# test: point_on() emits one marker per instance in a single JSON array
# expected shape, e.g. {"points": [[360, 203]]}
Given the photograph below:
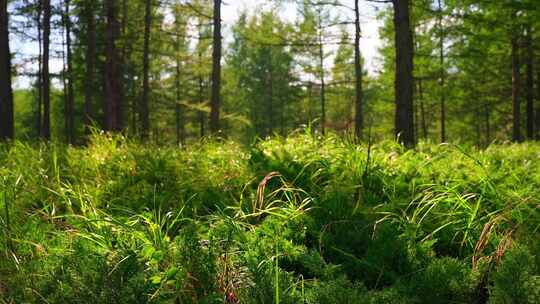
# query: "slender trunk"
{"points": [[113, 75], [40, 67], [529, 84], [404, 82], [69, 120], [359, 115], [216, 69], [46, 80], [488, 126], [201, 93], [538, 101], [180, 137], [321, 75], [442, 76], [90, 64], [145, 115], [270, 98], [422, 110], [516, 134], [7, 129]]}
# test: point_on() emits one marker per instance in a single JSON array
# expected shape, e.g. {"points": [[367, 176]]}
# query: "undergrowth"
{"points": [[288, 220]]}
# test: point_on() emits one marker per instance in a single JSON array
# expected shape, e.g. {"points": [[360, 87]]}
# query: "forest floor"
{"points": [[288, 220]]}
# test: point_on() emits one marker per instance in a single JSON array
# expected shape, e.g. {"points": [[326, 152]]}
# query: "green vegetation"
{"points": [[288, 220]]}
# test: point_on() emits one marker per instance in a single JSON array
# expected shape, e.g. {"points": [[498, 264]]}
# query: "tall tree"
{"points": [[39, 104], [69, 98], [216, 69], [359, 118], [90, 55], [113, 75], [529, 86], [516, 105], [144, 108], [6, 93], [442, 73], [46, 78], [404, 83]]}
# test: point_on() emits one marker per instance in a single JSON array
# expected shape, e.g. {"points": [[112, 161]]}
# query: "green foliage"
{"points": [[118, 222]]}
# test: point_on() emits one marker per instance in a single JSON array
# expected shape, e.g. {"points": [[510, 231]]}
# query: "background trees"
{"points": [[175, 71]]}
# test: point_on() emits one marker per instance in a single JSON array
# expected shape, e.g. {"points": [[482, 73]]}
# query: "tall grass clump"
{"points": [[298, 219]]}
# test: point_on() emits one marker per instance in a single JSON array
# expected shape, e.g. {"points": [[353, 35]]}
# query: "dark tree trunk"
{"points": [[90, 64], [46, 79], [359, 115], [442, 75], [321, 75], [39, 105], [216, 70], [404, 83], [488, 125], [422, 110], [68, 119], [201, 115], [7, 129], [180, 127], [113, 75], [537, 119], [529, 84], [516, 133], [270, 113], [145, 115]]}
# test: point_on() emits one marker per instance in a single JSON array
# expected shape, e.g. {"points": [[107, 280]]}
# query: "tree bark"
{"points": [[90, 64], [488, 124], [321, 75], [537, 119], [516, 134], [216, 70], [422, 110], [7, 129], [404, 83], [359, 115], [113, 75], [180, 125], [145, 115], [530, 84], [46, 79], [39, 100], [442, 76], [69, 119]]}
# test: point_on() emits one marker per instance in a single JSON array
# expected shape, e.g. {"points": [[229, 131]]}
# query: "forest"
{"points": [[270, 151]]}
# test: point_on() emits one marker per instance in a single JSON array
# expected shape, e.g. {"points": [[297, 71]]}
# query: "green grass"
{"points": [[288, 220]]}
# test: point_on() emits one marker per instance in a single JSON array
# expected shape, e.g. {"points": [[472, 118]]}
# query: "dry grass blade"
{"points": [[259, 203]]}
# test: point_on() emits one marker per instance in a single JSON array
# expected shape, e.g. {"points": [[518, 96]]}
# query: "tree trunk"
{"points": [[404, 128], [538, 101], [90, 64], [180, 127], [516, 134], [422, 110], [69, 120], [145, 115], [442, 76], [6, 94], [46, 79], [359, 115], [321, 75], [39, 100], [488, 125], [529, 84], [270, 113], [216, 69], [113, 76]]}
